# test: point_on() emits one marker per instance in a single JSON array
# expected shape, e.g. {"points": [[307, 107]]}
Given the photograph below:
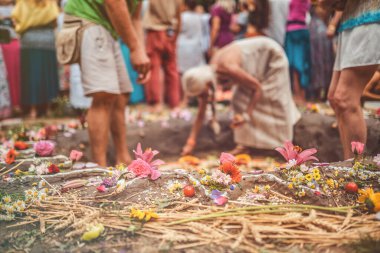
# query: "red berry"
{"points": [[351, 187], [189, 191]]}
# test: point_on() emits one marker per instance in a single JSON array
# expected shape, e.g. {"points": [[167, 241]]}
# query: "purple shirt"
{"points": [[225, 36], [297, 15]]}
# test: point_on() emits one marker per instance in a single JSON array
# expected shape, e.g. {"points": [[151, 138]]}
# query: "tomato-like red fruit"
{"points": [[189, 191], [351, 187]]}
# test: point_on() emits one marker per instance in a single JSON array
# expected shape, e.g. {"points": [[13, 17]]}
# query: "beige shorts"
{"points": [[102, 64]]}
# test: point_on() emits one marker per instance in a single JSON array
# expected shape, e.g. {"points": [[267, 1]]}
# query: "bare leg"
{"points": [[346, 100], [98, 118], [33, 112], [119, 131], [299, 92]]}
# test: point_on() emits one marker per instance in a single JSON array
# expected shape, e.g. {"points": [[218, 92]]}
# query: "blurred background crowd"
{"points": [[31, 80]]}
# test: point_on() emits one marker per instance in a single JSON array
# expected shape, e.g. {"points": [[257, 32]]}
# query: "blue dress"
{"points": [[137, 95]]}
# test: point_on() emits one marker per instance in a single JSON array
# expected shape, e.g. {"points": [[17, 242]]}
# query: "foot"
{"points": [[239, 149]]}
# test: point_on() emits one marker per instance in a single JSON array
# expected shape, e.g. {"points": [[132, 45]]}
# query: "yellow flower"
{"points": [[315, 171], [18, 172], [7, 199], [375, 199], [267, 187], [294, 179], [341, 180], [202, 171], [93, 232], [120, 166], [301, 193], [256, 189], [330, 182], [364, 194], [309, 177], [290, 186], [243, 159], [150, 214], [317, 176]]}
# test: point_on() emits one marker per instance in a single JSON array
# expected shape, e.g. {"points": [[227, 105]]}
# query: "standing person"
{"points": [[357, 59], [297, 47], [162, 21], [240, 26], [189, 43], [5, 99], [322, 54], [11, 54], [104, 75], [221, 16], [35, 21], [265, 113], [279, 10], [77, 98]]}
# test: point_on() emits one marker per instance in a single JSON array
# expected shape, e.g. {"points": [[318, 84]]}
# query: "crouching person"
{"points": [[264, 111]]}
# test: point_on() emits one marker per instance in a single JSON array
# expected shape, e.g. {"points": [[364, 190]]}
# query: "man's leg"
{"points": [[98, 118], [153, 88], [172, 89], [346, 100], [119, 130]]}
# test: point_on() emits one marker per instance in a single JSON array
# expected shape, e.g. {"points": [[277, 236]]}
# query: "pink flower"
{"points": [[291, 152], [140, 168], [101, 188], [357, 147], [75, 155], [221, 201], [226, 157], [147, 156], [44, 148]]}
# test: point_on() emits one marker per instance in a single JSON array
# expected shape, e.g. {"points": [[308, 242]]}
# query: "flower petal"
{"points": [[155, 174], [221, 201]]}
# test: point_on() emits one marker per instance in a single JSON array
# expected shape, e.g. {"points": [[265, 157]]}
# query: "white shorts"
{"points": [[358, 47], [102, 64]]}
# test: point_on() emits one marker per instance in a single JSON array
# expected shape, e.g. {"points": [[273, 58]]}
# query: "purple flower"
{"points": [[215, 194]]}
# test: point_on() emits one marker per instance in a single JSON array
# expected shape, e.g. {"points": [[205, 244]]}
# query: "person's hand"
{"points": [[141, 79], [330, 31], [189, 147], [140, 62]]}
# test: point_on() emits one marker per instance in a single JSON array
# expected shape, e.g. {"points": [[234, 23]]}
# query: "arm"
{"points": [[137, 24], [179, 20], [333, 24], [191, 140], [118, 13], [215, 27]]}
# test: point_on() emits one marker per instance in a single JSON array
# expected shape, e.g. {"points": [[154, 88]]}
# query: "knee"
{"points": [[103, 99], [342, 104]]}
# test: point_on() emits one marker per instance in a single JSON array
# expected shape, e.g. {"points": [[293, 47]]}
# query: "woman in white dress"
{"points": [[189, 44]]}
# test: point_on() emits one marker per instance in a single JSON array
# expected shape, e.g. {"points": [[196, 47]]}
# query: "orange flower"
{"points": [[231, 169], [20, 145], [242, 159], [11, 156], [364, 194], [191, 160]]}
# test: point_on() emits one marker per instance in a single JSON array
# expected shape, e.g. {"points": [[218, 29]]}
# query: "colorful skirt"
{"points": [[39, 67], [11, 54], [137, 96], [297, 48]]}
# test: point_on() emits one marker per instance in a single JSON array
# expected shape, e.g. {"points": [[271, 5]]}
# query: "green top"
{"points": [[94, 11]]}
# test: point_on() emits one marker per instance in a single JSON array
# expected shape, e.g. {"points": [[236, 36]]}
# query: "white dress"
{"points": [[275, 113], [189, 43]]}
